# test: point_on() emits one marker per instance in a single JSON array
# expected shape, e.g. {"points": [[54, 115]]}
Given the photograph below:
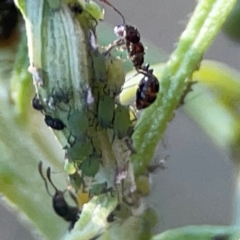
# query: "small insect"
{"points": [[79, 150], [36, 104], [78, 123], [99, 188], [54, 123], [122, 121], [60, 206], [121, 211], [90, 165], [147, 90], [105, 109]]}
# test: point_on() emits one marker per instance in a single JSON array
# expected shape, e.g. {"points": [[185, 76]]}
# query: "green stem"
{"points": [[199, 34]]}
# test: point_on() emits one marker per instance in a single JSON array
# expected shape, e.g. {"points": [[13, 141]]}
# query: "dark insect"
{"points": [[147, 90], [54, 123], [149, 86], [8, 18], [130, 36], [60, 206], [136, 54], [36, 104]]}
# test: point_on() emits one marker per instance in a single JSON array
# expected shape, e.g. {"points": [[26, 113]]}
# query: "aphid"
{"points": [[79, 150], [58, 96], [36, 104], [90, 166], [78, 123], [54, 123], [147, 90], [105, 110], [99, 188], [8, 18], [122, 121], [61, 95], [60, 206], [121, 211]]}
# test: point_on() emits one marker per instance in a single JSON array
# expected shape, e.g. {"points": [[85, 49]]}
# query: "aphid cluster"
{"points": [[99, 114]]}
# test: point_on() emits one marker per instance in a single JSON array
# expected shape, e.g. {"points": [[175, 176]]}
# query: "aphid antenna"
{"points": [[44, 179], [115, 9]]}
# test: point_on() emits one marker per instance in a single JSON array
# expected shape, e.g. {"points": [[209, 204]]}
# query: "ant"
{"points": [[130, 36], [148, 86], [147, 90], [60, 206]]}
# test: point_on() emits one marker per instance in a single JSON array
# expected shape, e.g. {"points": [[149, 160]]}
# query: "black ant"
{"points": [[60, 206]]}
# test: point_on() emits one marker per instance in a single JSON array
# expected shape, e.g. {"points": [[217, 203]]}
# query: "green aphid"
{"points": [[94, 10], [78, 123], [97, 189], [87, 12], [121, 211], [90, 165], [122, 121], [105, 114], [79, 150], [115, 74]]}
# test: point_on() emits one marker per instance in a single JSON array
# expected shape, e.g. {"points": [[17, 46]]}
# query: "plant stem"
{"points": [[194, 41]]}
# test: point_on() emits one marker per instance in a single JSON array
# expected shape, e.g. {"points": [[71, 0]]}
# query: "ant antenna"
{"points": [[115, 9], [44, 179], [50, 180]]}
